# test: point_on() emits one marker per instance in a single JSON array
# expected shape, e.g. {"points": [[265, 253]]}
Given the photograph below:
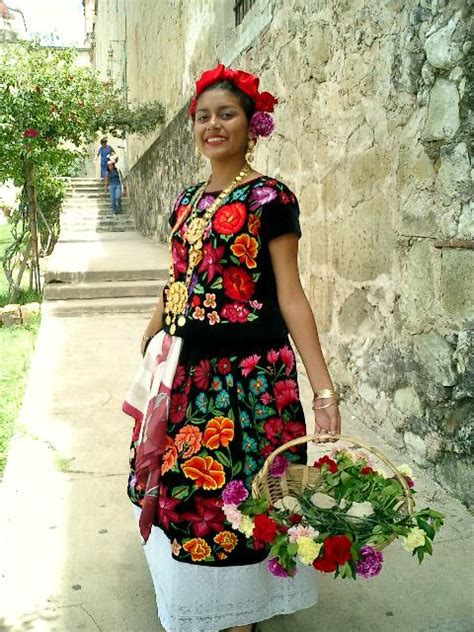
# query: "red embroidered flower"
{"points": [[272, 356], [229, 218], [208, 516], [210, 262], [223, 366], [195, 301], [238, 284], [265, 529], [178, 254], [285, 393], [235, 312], [219, 431], [273, 428], [166, 509], [291, 430], [248, 364], [288, 359], [188, 440], [179, 377], [265, 398], [178, 404], [202, 374], [326, 460]]}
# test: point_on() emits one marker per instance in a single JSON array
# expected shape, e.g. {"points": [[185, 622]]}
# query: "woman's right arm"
{"points": [[154, 325]]}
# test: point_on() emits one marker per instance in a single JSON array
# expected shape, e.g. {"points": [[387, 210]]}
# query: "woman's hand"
{"points": [[327, 420]]}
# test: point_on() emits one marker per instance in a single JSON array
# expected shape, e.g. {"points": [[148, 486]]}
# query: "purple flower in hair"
{"points": [[260, 196], [234, 493], [370, 562], [279, 466], [261, 124], [277, 569]]}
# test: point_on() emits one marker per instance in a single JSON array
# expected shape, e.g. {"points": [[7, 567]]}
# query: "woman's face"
{"points": [[220, 127]]}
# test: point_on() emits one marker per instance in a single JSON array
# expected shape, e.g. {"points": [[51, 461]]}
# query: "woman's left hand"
{"points": [[327, 420]]}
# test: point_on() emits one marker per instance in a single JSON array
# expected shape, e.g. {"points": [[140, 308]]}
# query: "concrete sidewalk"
{"points": [[71, 557]]}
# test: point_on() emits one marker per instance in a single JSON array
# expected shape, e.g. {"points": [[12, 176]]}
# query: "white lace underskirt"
{"points": [[193, 598]]}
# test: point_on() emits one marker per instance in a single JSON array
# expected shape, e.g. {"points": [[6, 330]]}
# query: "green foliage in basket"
{"points": [[340, 523]]}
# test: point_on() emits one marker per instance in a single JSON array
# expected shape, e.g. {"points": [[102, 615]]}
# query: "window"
{"points": [[241, 8]]}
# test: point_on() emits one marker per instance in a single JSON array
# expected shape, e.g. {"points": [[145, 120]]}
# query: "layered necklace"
{"points": [[177, 291]]}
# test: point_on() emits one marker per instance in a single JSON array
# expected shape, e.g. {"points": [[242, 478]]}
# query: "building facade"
{"points": [[372, 134]]}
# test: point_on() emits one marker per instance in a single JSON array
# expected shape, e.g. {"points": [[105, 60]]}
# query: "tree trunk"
{"points": [[33, 223]]}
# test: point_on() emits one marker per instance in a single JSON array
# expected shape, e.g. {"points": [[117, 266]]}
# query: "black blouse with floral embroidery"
{"points": [[233, 295]]}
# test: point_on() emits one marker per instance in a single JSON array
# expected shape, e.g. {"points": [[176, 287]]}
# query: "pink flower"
{"points": [[288, 359], [261, 124], [279, 466], [272, 356], [235, 312], [285, 393], [300, 531], [370, 562], [248, 364], [265, 398], [199, 313], [202, 374], [233, 515], [256, 305], [210, 300], [234, 493], [277, 569]]}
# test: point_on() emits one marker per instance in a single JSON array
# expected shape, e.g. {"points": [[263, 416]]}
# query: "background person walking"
{"points": [[114, 183], [103, 152]]}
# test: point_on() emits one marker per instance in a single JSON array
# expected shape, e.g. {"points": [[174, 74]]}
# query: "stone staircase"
{"points": [[100, 264], [87, 208]]}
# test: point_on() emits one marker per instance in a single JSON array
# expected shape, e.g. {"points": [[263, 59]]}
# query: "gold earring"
{"points": [[251, 143]]}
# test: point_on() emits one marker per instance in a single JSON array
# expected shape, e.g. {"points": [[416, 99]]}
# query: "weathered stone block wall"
{"points": [[372, 135]]}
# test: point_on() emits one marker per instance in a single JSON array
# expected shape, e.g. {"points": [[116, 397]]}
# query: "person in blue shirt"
{"points": [[114, 182], [104, 152]]}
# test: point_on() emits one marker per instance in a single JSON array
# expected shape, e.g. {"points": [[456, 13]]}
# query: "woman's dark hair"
{"points": [[248, 104], [103, 140]]}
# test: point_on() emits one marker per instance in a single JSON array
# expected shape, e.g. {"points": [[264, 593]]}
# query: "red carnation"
{"points": [[366, 470], [265, 528], [325, 460], [336, 550]]}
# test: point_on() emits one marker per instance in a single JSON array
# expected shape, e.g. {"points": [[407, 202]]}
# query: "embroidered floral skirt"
{"points": [[228, 413]]}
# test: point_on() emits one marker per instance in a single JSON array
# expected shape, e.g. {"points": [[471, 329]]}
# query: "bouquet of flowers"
{"points": [[336, 515]]}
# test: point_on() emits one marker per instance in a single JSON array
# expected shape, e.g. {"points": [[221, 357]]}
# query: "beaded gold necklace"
{"points": [[177, 291]]}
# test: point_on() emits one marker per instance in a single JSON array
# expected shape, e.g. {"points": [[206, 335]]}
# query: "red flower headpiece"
{"points": [[264, 101]]}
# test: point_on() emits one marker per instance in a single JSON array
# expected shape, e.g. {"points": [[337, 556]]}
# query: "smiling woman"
{"points": [[233, 297]]}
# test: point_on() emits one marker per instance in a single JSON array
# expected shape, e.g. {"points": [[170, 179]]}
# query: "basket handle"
{"points": [[324, 438]]}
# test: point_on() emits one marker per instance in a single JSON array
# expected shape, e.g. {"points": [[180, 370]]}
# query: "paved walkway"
{"points": [[70, 556]]}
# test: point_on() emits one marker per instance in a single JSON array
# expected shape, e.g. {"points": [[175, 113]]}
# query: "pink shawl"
{"points": [[148, 402]]}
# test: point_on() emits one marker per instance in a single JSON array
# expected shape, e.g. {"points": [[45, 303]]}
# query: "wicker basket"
{"points": [[297, 476]]}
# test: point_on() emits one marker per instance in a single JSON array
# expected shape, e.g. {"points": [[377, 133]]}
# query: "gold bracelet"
{"points": [[325, 406], [325, 393]]}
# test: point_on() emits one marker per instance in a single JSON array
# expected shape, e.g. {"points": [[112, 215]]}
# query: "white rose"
{"points": [[405, 470], [323, 501], [288, 502], [360, 510]]}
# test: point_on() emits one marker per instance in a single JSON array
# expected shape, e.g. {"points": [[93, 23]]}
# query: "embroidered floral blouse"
{"points": [[233, 290]]}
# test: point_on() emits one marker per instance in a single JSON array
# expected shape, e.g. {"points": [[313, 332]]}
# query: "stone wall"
{"points": [[372, 135]]}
